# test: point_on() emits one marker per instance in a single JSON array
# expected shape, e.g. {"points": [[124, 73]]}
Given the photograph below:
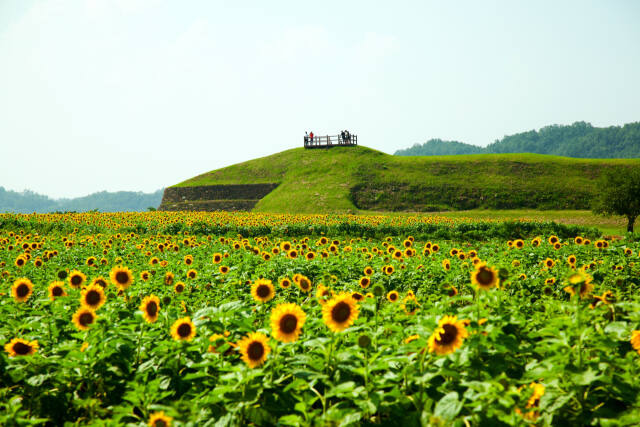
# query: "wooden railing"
{"points": [[325, 141]]}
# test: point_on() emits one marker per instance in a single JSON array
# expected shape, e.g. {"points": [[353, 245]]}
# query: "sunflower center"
{"points": [[304, 284], [159, 423], [341, 312], [184, 330], [255, 351], [449, 335], [288, 323], [179, 288], [393, 297], [92, 297], [22, 290], [263, 291], [21, 348], [484, 277], [122, 277], [101, 282], [152, 308], [56, 291], [85, 319], [76, 280]]}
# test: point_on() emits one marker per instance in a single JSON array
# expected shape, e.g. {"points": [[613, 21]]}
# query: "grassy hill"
{"points": [[349, 179]]}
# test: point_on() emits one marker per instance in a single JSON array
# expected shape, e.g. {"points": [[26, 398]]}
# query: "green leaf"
{"points": [[448, 407], [619, 330]]}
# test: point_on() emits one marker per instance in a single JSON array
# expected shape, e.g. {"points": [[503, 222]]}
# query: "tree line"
{"points": [[120, 201], [580, 139]]}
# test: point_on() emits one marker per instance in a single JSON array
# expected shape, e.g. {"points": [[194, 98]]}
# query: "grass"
{"points": [[356, 179]]}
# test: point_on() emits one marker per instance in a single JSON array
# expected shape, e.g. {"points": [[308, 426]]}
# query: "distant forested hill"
{"points": [[104, 201], [577, 140], [438, 147]]}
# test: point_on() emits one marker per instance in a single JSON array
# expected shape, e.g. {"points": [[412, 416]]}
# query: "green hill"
{"points": [[348, 179], [577, 140], [103, 201]]}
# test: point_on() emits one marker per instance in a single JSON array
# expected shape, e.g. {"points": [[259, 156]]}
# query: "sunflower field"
{"points": [[254, 319]]}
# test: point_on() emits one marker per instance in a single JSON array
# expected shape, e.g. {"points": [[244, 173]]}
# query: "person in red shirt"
{"points": [[311, 137]]}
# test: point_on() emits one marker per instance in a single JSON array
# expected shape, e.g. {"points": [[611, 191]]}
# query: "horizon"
{"points": [[136, 95]]}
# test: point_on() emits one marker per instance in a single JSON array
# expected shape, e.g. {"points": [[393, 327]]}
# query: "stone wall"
{"points": [[236, 197]]}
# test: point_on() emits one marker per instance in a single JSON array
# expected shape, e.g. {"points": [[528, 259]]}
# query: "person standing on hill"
{"points": [[306, 139], [311, 137]]}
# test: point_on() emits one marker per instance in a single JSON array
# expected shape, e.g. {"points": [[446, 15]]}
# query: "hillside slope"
{"points": [[577, 140], [348, 179]]}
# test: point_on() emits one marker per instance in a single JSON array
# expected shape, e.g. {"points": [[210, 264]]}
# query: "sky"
{"points": [[141, 94]]}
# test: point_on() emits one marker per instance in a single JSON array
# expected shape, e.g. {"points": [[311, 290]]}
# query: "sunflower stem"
{"points": [[478, 324], [579, 346], [273, 362], [139, 344]]}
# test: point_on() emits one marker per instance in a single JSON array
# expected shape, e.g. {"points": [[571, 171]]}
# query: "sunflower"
{"points": [[519, 243], [254, 349], [580, 283], [388, 270], [635, 341], [553, 240], [571, 260], [223, 269], [22, 289], [121, 277], [20, 261], [453, 291], [145, 275], [340, 312], [93, 297], [285, 282], [150, 308], [183, 329], [578, 240], [159, 419], [77, 279], [83, 318], [188, 259], [20, 347], [304, 283], [484, 277], [178, 287], [368, 271], [448, 336], [532, 402], [446, 264], [549, 263], [364, 282], [323, 293], [56, 289], [168, 278], [262, 290], [393, 296], [287, 321], [285, 246], [410, 304], [100, 281], [310, 255]]}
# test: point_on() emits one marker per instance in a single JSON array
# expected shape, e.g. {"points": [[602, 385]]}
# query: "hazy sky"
{"points": [[140, 94]]}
